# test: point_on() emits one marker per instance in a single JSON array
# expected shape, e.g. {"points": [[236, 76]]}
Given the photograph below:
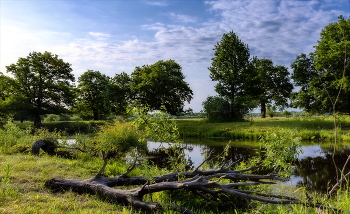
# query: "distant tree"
{"points": [[119, 93], [271, 110], [286, 113], [92, 96], [324, 75], [307, 78], [41, 84], [161, 84], [217, 109], [273, 84], [232, 69]]}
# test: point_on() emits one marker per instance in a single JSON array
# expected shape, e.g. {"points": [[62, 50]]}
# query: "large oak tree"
{"points": [[273, 84], [161, 84], [41, 84]]}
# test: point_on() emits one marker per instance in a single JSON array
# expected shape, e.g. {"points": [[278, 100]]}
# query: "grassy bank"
{"points": [[22, 178], [309, 128]]}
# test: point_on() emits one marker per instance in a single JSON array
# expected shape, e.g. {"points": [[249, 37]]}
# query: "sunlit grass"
{"points": [[309, 128]]}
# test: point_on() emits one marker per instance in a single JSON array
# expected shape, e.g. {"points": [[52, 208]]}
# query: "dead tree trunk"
{"points": [[206, 183]]}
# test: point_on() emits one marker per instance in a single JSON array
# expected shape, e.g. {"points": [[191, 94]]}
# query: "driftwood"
{"points": [[205, 184]]}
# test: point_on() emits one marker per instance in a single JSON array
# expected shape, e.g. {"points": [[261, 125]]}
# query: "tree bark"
{"points": [[37, 121], [203, 182], [263, 110]]}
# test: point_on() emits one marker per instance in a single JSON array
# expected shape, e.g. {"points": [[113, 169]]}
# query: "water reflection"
{"points": [[314, 169]]}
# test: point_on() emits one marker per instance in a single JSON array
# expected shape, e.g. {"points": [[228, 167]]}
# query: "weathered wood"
{"points": [[201, 182], [47, 146]]}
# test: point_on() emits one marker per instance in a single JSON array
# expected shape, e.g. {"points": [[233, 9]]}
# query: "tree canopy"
{"points": [[41, 84], [92, 98], [232, 69], [161, 84], [324, 74], [273, 84], [119, 93]]}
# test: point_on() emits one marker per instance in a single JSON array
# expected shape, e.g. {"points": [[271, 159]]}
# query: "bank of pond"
{"points": [[316, 128], [314, 169]]}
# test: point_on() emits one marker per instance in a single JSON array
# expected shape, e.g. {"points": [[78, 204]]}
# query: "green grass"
{"points": [[309, 128], [22, 176]]}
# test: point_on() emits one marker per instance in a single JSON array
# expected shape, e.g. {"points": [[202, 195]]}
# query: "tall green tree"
{"points": [[119, 93], [161, 84], [328, 66], [41, 84], [232, 69], [273, 84], [92, 96]]}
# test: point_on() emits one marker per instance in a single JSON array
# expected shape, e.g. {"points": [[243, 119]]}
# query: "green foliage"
{"points": [[52, 117], [280, 150], [217, 109], [41, 84], [273, 84], [324, 74], [119, 93], [117, 139], [92, 94], [14, 139], [161, 84], [286, 113], [271, 110], [232, 69], [45, 134], [158, 125]]}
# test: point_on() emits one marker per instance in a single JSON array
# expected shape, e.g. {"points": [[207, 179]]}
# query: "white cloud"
{"points": [[182, 18], [157, 3], [100, 36], [157, 26], [278, 30]]}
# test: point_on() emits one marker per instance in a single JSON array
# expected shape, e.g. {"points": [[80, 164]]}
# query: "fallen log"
{"points": [[49, 147], [206, 184]]}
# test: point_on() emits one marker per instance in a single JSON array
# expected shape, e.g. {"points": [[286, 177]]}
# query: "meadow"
{"points": [[22, 175], [320, 128]]}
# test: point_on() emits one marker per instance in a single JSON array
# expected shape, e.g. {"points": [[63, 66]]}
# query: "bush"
{"points": [[118, 139], [13, 139]]}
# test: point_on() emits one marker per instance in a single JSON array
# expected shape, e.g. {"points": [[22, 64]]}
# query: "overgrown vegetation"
{"points": [[23, 175]]}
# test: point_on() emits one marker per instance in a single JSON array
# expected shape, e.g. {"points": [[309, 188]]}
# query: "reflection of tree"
{"points": [[234, 154], [161, 156], [318, 173]]}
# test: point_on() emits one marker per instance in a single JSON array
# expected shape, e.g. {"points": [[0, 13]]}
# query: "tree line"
{"points": [[245, 82], [42, 83]]}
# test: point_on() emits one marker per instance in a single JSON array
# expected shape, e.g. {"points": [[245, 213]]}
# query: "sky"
{"points": [[114, 36]]}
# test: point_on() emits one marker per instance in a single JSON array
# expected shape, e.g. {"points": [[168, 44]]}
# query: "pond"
{"points": [[314, 169]]}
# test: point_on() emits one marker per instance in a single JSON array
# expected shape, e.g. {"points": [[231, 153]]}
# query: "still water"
{"points": [[314, 169]]}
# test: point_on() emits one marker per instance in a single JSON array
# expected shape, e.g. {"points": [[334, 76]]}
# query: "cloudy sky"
{"points": [[112, 36]]}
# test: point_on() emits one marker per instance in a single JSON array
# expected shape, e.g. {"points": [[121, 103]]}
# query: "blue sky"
{"points": [[112, 36]]}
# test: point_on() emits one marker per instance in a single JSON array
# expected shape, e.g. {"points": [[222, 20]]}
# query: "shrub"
{"points": [[13, 139]]}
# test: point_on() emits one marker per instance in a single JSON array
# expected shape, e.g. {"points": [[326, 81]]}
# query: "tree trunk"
{"points": [[37, 121], [206, 185], [263, 110], [95, 112]]}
